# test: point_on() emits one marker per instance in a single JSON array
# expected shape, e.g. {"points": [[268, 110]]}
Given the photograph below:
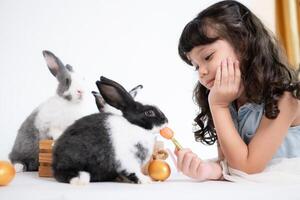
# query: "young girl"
{"points": [[247, 92]]}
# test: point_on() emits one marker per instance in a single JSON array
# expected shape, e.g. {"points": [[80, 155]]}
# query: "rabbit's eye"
{"points": [[150, 113], [68, 82]]}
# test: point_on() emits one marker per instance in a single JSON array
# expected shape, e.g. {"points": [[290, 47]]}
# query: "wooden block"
{"points": [[46, 146], [45, 171], [45, 158]]}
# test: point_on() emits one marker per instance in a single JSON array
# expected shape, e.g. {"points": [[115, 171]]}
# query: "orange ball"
{"points": [[167, 133], [7, 172], [159, 170]]}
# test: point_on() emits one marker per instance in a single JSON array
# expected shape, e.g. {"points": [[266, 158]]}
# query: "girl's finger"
{"points": [[238, 79], [188, 157], [180, 155], [194, 165], [224, 77], [231, 72], [237, 74], [217, 82]]}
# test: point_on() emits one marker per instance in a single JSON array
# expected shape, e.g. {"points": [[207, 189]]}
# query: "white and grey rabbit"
{"points": [[51, 118], [106, 146]]}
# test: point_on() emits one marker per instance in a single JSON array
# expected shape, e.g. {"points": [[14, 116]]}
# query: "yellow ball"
{"points": [[7, 173], [159, 170]]}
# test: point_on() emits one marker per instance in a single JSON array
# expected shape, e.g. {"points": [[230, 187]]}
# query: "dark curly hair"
{"points": [[265, 71]]}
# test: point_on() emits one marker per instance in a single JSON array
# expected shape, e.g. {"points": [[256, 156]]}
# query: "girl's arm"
{"points": [[264, 144], [220, 152], [269, 135]]}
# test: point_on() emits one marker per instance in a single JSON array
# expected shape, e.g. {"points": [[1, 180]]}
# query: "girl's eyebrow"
{"points": [[197, 51], [200, 49]]}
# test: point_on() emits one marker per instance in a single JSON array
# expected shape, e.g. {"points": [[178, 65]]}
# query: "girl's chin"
{"points": [[210, 85], [207, 87]]}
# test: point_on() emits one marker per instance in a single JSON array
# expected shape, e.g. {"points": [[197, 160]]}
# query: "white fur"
{"points": [[19, 167], [56, 114], [76, 84], [125, 136], [82, 179], [109, 109]]}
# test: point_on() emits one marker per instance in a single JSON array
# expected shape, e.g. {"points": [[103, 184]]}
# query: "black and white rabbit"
{"points": [[106, 146], [51, 118]]}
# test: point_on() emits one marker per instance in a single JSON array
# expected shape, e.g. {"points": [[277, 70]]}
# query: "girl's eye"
{"points": [[209, 57], [150, 113]]}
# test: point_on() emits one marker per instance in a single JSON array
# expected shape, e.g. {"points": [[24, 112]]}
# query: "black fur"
{"points": [[26, 150], [85, 146], [68, 97], [141, 152], [137, 115], [130, 176]]}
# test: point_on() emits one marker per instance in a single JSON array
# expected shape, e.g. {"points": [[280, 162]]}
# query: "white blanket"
{"points": [[279, 171], [29, 186]]}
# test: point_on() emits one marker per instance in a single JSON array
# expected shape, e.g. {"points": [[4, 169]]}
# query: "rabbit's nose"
{"points": [[80, 92]]}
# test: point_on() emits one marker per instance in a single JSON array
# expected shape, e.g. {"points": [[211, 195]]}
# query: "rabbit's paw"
{"points": [[19, 167], [144, 179], [82, 179]]}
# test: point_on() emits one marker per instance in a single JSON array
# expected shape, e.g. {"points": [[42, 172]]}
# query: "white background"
{"points": [[132, 42]]}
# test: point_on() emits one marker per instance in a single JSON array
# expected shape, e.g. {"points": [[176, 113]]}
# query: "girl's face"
{"points": [[207, 58]]}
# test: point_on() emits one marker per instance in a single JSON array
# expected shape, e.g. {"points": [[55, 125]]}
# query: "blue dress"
{"points": [[247, 120]]}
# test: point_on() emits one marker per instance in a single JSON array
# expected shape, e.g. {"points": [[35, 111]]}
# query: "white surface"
{"points": [[279, 170], [28, 186], [132, 41]]}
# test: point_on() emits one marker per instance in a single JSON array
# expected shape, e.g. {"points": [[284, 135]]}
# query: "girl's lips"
{"points": [[209, 83]]}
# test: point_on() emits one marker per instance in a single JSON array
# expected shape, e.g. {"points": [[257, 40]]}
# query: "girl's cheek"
{"points": [[200, 80]]}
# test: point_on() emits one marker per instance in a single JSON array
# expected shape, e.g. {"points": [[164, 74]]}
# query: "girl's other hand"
{"points": [[227, 86], [191, 165]]}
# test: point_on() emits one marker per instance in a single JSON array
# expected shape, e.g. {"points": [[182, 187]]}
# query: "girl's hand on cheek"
{"points": [[227, 85], [191, 165]]}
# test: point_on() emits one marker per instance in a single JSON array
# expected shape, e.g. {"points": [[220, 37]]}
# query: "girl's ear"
{"points": [[188, 56]]}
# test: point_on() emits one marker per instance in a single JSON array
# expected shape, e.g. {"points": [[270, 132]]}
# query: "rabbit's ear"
{"points": [[99, 101], [133, 92], [115, 96], [69, 67], [53, 62], [111, 82]]}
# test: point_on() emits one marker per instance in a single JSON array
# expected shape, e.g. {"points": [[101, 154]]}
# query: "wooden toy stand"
{"points": [[45, 158]]}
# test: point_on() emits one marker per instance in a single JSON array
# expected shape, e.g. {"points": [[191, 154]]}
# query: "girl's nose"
{"points": [[203, 71]]}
